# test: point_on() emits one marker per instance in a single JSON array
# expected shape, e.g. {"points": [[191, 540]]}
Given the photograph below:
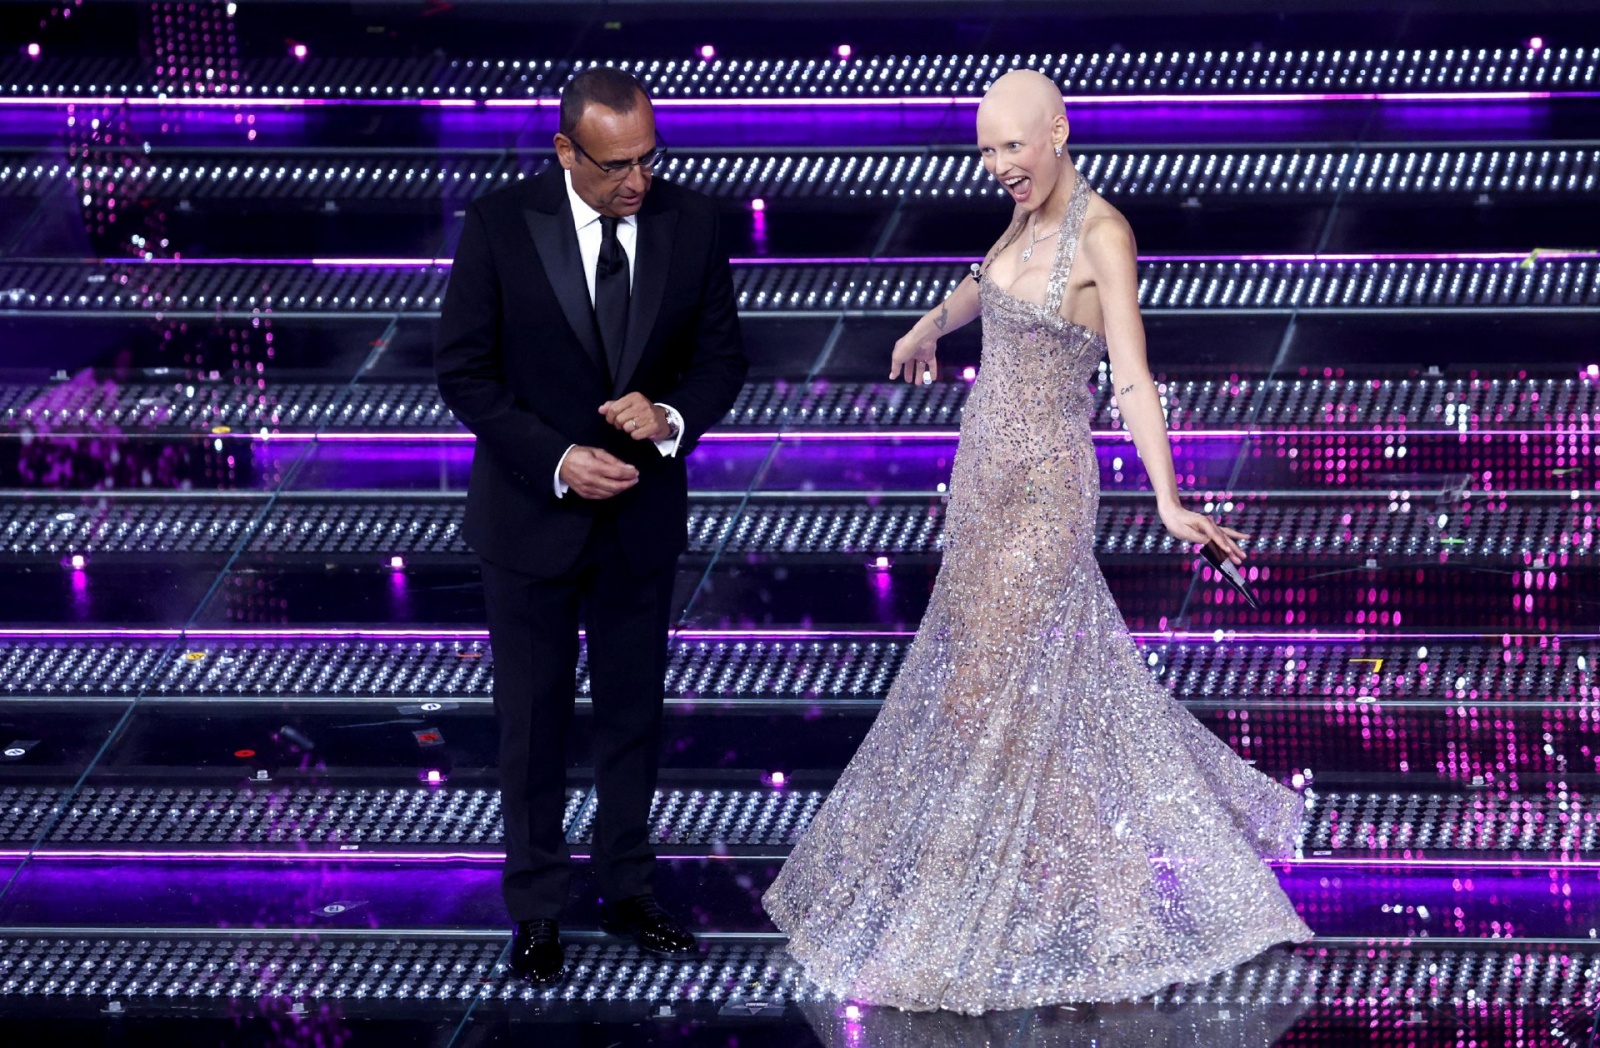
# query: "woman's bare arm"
{"points": [[917, 349], [1109, 247]]}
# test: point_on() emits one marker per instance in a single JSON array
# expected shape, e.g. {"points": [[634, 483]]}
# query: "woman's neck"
{"points": [[1054, 211]]}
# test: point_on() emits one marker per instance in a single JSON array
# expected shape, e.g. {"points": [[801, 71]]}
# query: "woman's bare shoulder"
{"points": [[1106, 233]]}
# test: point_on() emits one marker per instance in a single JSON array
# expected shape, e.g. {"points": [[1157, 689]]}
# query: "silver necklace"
{"points": [[1033, 224]]}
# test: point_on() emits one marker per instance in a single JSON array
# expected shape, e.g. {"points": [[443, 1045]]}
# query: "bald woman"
{"points": [[1032, 819]]}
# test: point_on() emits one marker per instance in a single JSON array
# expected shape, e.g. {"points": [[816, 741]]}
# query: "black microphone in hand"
{"points": [[1218, 558]]}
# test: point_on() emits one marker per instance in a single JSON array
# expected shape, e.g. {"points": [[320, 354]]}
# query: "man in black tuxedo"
{"points": [[589, 337]]}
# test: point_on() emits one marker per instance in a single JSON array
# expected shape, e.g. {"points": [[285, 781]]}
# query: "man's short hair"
{"points": [[601, 86]]}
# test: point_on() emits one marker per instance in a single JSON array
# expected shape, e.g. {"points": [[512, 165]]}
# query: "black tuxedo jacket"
{"points": [[520, 362]]}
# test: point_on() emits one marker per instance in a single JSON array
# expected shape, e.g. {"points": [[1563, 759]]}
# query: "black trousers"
{"points": [[533, 628]]}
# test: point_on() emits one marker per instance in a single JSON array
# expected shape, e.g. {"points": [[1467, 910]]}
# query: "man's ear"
{"points": [[564, 154]]}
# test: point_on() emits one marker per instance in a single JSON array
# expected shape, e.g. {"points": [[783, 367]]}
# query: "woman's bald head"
{"points": [[1024, 95]]}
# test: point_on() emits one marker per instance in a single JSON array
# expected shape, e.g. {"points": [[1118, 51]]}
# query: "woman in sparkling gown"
{"points": [[1032, 819]]}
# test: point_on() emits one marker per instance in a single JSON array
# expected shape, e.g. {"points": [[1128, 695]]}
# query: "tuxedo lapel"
{"points": [[550, 224], [651, 264]]}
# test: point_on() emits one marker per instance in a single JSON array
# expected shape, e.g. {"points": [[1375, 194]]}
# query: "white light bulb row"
{"points": [[1204, 284], [967, 74], [1444, 170]]}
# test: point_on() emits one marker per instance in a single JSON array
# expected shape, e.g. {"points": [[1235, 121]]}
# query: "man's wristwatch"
{"points": [[672, 426]]}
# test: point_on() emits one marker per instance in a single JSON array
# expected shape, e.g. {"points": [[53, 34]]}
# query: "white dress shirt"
{"points": [[587, 221]]}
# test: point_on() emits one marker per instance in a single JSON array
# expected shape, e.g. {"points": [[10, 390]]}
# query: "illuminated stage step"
{"points": [[1343, 982], [1552, 824], [853, 286], [1421, 713], [1360, 401], [1334, 526], [790, 667], [392, 179], [1113, 74]]}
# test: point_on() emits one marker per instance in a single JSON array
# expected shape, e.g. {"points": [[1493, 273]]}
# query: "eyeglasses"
{"points": [[615, 169]]}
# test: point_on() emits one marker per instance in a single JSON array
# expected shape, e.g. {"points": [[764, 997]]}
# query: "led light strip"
{"points": [[888, 102], [696, 634], [868, 260], [819, 434], [752, 854]]}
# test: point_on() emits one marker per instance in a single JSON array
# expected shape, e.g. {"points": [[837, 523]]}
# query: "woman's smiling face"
{"points": [[1019, 159]]}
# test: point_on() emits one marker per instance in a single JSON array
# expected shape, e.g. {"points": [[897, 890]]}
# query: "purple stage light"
{"points": [[707, 52], [77, 561], [885, 103], [488, 856], [852, 1013], [777, 780], [844, 50], [1404, 859], [1536, 43], [881, 564], [758, 224], [33, 50], [397, 262], [895, 435], [290, 635], [398, 563]]}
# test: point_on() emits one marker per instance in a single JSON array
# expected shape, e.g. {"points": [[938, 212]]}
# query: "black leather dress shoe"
{"points": [[643, 920], [536, 953]]}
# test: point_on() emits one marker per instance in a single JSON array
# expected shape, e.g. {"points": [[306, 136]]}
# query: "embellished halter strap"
{"points": [[1067, 245]]}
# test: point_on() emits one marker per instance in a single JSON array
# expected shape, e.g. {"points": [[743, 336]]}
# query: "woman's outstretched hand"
{"points": [[1200, 529], [915, 358]]}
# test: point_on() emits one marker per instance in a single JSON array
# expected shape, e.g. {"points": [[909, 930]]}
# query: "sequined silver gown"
{"points": [[1032, 819]]}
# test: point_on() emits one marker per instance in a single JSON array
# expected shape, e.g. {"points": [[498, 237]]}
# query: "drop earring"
{"points": [[1058, 150]]}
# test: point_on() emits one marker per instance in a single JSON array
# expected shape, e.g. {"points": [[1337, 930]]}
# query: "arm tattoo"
{"points": [[1125, 389], [943, 318]]}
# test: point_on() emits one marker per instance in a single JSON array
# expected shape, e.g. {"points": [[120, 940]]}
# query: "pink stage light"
{"points": [[1536, 43], [707, 52], [890, 102], [77, 562], [758, 205], [496, 856], [845, 50], [969, 373], [298, 51], [398, 563], [33, 50]]}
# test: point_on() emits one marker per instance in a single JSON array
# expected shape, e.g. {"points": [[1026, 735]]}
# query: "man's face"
{"points": [[607, 137]]}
